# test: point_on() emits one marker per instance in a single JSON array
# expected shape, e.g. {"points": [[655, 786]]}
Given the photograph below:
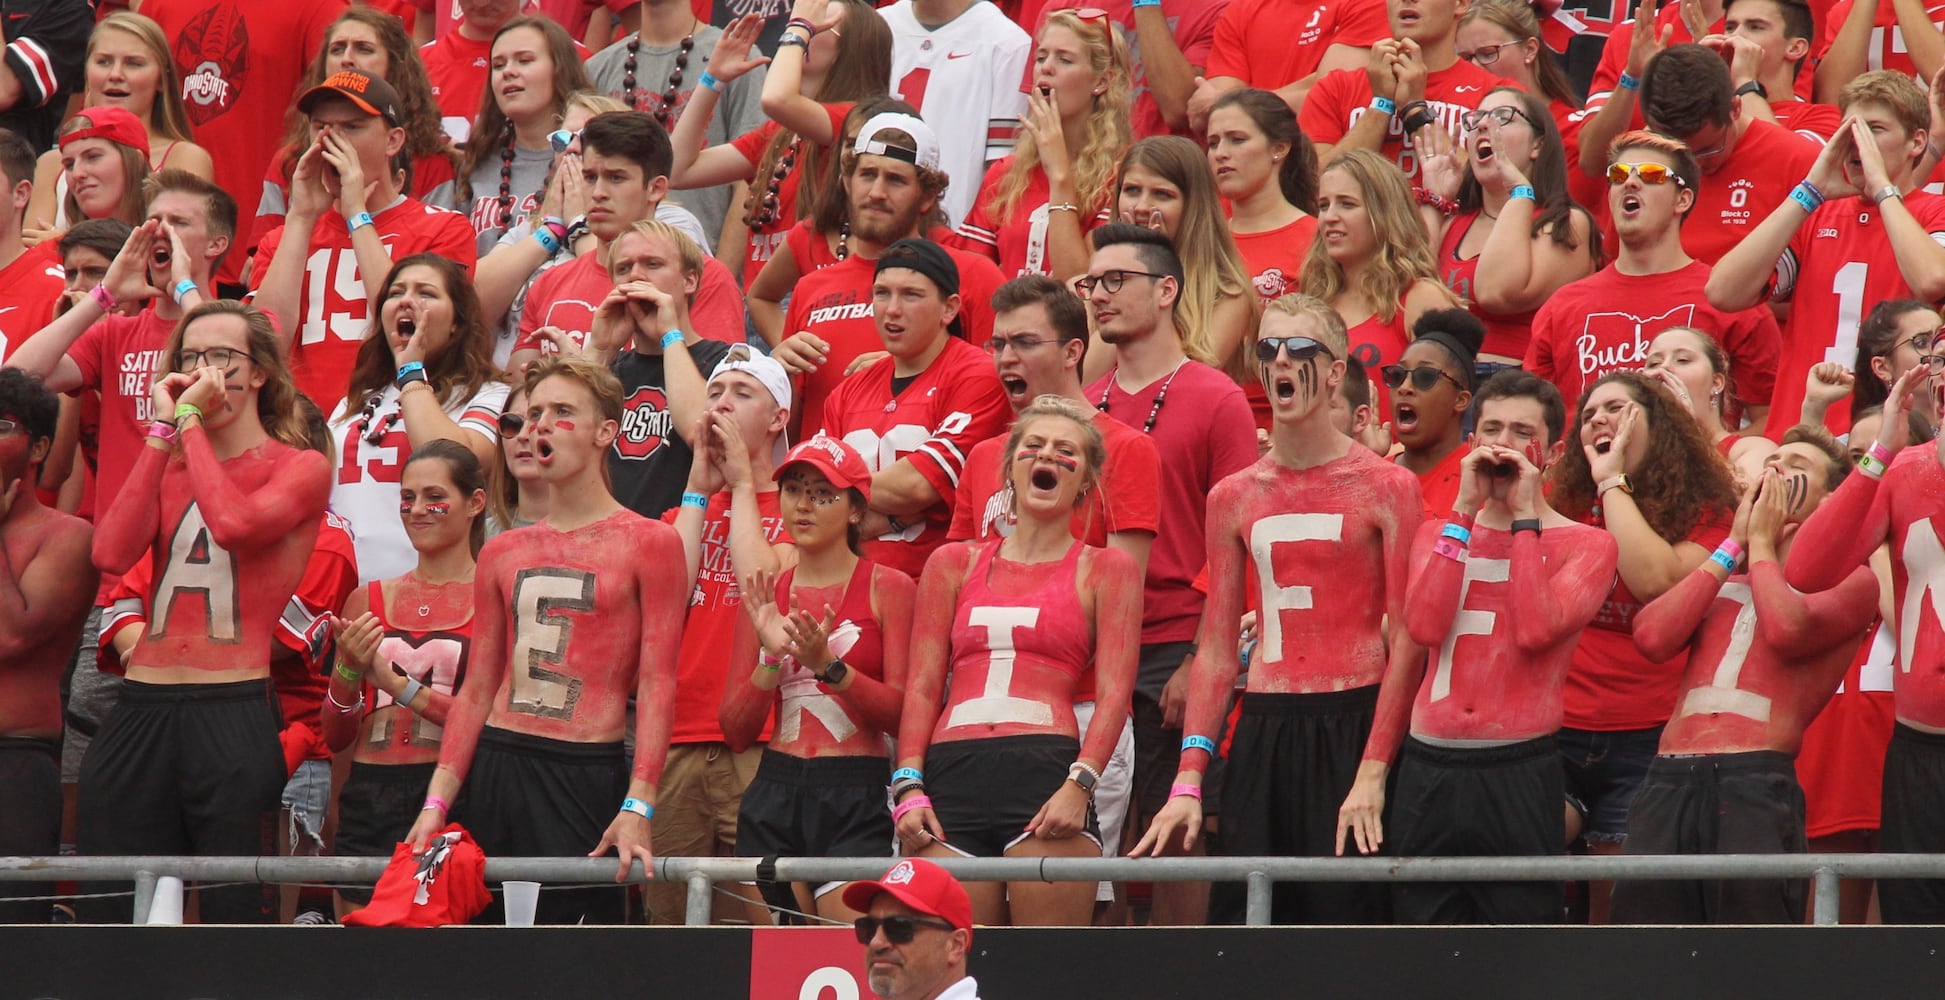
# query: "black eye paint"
{"points": [[1306, 378]]}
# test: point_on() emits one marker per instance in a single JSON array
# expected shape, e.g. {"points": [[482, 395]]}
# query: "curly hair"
{"points": [[1403, 254], [1108, 131], [418, 110], [1683, 479]]}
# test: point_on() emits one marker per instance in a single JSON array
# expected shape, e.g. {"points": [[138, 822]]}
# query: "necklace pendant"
{"points": [[425, 611]]}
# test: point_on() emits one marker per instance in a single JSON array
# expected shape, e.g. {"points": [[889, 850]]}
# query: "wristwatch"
{"points": [[1753, 87], [1617, 480], [834, 674], [1886, 193], [1084, 776]]}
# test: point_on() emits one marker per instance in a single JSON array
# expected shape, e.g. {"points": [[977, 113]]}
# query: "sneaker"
{"points": [[313, 918]]}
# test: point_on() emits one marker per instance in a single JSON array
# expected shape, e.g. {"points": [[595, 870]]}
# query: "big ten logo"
{"points": [[806, 963]]}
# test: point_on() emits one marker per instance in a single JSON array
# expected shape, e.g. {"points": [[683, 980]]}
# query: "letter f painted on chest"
{"points": [[1264, 536]]}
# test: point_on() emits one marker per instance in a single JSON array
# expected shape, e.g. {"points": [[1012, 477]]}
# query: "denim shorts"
{"points": [[1604, 770], [308, 795]]}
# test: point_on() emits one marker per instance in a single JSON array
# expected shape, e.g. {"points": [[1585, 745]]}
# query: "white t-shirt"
{"points": [[964, 77]]}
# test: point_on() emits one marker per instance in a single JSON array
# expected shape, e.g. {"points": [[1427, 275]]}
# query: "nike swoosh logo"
{"points": [[957, 55]]}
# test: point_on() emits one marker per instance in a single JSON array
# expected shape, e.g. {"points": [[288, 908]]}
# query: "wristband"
{"points": [[1065, 206], [708, 81], [1523, 191], [768, 662], [1724, 559], [556, 225], [1449, 549], [412, 689], [638, 807], [1181, 788], [1526, 524], [547, 240], [187, 410], [1145, 3], [908, 772], [163, 431], [342, 708], [672, 338], [692, 499], [1456, 532], [1202, 743], [183, 287], [789, 39], [357, 222], [1628, 82], [1871, 465], [102, 298], [801, 22], [436, 802], [408, 373], [915, 802], [1384, 105], [1806, 195], [1878, 451], [899, 788], [348, 674], [1446, 206]]}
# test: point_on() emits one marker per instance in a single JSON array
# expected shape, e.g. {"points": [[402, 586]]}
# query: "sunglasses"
{"points": [[510, 424], [562, 139], [1423, 378], [1652, 174], [1301, 349], [898, 930]]}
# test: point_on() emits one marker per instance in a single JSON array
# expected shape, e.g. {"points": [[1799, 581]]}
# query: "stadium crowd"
{"points": [[962, 428]]}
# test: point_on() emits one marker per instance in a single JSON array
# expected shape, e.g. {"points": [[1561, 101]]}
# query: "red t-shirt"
{"points": [[1841, 765], [1611, 686], [567, 296], [241, 62], [1837, 266], [1124, 501], [934, 421], [1603, 323], [1253, 42], [1814, 122], [457, 68], [28, 288], [337, 315], [1203, 434], [119, 357], [717, 639], [1274, 257], [1887, 48], [1018, 242], [763, 242], [1506, 334], [1343, 96], [1440, 483], [1755, 178], [1192, 23]]}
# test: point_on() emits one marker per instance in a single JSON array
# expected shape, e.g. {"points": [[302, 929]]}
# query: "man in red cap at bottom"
{"points": [[916, 929]]}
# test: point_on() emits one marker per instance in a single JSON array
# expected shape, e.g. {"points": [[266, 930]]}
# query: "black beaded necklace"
{"points": [[675, 78], [844, 240], [773, 197], [506, 178], [1155, 411]]}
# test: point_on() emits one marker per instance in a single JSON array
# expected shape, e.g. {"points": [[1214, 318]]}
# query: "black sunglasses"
{"points": [[1423, 378], [898, 930], [1301, 349], [511, 423]]}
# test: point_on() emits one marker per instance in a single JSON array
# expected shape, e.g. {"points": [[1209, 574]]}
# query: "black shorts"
{"points": [[827, 807], [986, 791], [376, 809], [1913, 822], [1502, 801], [186, 769], [529, 796], [30, 819], [1727, 803], [1158, 748], [1292, 763]]}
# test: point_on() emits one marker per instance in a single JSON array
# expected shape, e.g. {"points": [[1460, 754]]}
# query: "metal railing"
{"points": [[702, 874]]}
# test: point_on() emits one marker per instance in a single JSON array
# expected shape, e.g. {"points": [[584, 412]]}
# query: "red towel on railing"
{"points": [[445, 885]]}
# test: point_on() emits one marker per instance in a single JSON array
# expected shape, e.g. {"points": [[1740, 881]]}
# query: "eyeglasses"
{"points": [[998, 345], [898, 930], [1920, 341], [1301, 349], [1112, 280], [511, 424], [1423, 378], [1933, 363], [1721, 144], [215, 357], [1504, 115], [8, 426], [1652, 174], [1485, 55], [562, 139]]}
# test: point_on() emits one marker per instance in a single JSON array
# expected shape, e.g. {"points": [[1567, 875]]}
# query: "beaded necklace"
{"points": [[1155, 411], [633, 96]]}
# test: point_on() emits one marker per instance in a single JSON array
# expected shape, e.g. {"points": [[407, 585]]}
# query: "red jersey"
{"points": [[337, 313], [241, 62], [1814, 122], [456, 66], [872, 637], [1752, 180], [1841, 765], [1499, 628], [1604, 322], [1343, 96], [228, 542], [1439, 485], [436, 658], [1274, 257], [717, 638], [567, 625], [764, 240], [567, 296], [1017, 242], [1614, 57], [1203, 434], [1611, 685], [1887, 48], [1762, 657], [1124, 501], [28, 289], [428, 172], [1018, 650], [933, 420], [1837, 266], [1904, 509], [834, 303], [1506, 333], [1253, 40]]}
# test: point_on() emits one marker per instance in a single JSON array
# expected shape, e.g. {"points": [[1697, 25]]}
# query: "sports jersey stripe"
{"points": [[39, 66]]}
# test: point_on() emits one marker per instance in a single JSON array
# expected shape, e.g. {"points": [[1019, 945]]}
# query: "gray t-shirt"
{"points": [[527, 182], [738, 110]]}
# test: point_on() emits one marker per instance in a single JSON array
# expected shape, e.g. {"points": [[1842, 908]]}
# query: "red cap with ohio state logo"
{"points": [[919, 884], [839, 462]]}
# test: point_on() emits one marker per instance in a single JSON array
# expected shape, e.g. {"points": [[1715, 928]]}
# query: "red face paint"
{"points": [[438, 509], [1064, 462], [404, 508], [564, 425], [1536, 454]]}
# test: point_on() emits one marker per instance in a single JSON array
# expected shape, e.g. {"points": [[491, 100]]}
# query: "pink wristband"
{"points": [[1878, 451], [1729, 546], [435, 802], [1449, 549], [1184, 788], [915, 802], [102, 298], [163, 430]]}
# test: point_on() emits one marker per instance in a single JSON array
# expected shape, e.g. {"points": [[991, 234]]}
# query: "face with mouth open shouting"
{"points": [[1301, 376], [565, 426], [1646, 211], [1609, 408], [1051, 467], [1422, 418], [417, 305]]}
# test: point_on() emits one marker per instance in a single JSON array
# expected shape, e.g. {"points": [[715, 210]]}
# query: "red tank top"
{"points": [[1016, 657], [811, 722], [1506, 334], [1727, 444], [1375, 344], [436, 658]]}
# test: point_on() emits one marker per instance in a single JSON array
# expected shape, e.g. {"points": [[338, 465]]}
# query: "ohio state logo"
{"points": [[901, 874], [214, 51], [644, 423]]}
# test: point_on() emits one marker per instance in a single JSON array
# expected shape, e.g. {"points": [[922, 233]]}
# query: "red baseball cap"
{"points": [[839, 462], [105, 121], [919, 884]]}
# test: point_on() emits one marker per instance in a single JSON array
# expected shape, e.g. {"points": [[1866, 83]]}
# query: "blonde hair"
{"points": [[685, 248], [167, 116], [1332, 333], [1093, 448], [1108, 131], [1403, 255], [1202, 236], [599, 381], [1896, 91]]}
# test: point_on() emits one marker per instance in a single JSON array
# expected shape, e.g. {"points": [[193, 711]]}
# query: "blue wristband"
{"points": [[1629, 82], [1146, 3], [907, 772], [1523, 191], [410, 369], [547, 241], [672, 338], [1724, 560], [1202, 743], [357, 222], [709, 82], [696, 500], [1384, 104], [638, 807], [183, 287], [1806, 196], [1457, 532]]}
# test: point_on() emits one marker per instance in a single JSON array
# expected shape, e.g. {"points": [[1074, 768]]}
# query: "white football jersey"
{"points": [[964, 78]]}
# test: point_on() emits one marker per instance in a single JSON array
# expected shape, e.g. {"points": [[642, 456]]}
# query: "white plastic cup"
{"points": [[165, 907], [521, 900]]}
